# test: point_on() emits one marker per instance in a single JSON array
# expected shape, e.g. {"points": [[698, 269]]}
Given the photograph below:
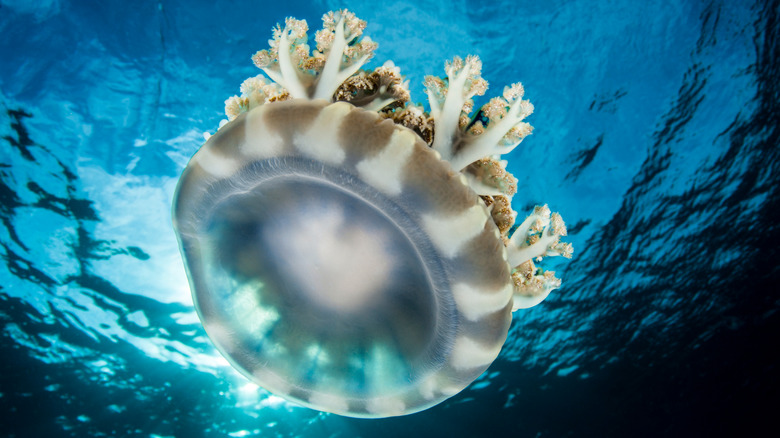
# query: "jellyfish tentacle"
{"points": [[472, 146], [331, 69], [489, 176], [286, 60], [340, 53], [290, 78], [532, 286], [504, 132], [254, 92], [334, 73], [450, 100], [537, 236], [462, 140]]}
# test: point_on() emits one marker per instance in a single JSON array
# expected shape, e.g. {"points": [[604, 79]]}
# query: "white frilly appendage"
{"points": [[538, 236], [462, 140], [331, 71], [254, 92], [472, 144], [451, 101], [339, 54]]}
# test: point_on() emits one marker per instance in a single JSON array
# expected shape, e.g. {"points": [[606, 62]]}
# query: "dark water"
{"points": [[656, 137]]}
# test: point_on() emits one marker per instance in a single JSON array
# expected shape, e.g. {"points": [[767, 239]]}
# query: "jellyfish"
{"points": [[348, 250]]}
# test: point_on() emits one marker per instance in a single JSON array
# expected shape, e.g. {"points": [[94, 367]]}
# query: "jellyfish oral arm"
{"points": [[501, 136], [289, 75], [447, 115], [332, 74], [547, 243], [473, 141], [538, 236], [340, 53], [329, 78]]}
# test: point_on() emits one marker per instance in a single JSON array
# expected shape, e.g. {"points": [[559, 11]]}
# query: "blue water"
{"points": [[656, 136]]}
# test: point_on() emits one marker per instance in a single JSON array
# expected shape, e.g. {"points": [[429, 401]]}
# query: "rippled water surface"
{"points": [[656, 137]]}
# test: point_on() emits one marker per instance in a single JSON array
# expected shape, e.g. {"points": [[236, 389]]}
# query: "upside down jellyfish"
{"points": [[348, 250]]}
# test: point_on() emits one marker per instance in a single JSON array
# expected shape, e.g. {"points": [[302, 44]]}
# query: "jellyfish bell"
{"points": [[348, 251], [351, 281]]}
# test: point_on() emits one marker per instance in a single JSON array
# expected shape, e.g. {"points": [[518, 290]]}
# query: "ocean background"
{"points": [[656, 136]]}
